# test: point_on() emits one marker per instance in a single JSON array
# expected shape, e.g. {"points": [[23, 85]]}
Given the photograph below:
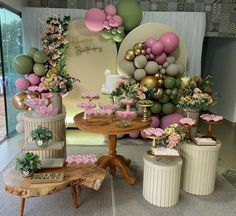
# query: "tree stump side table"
{"points": [[199, 168], [161, 180], [76, 175]]}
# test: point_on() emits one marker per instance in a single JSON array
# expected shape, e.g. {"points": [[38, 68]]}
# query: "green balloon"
{"points": [[168, 108], [168, 91], [174, 91], [169, 82], [113, 31], [120, 29], [23, 64], [118, 37], [130, 12], [175, 101], [172, 97], [156, 108], [106, 34], [178, 82], [32, 51], [40, 57], [165, 99], [39, 69]]}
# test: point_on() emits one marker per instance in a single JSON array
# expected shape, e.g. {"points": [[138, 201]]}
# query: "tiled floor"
{"points": [[2, 118]]}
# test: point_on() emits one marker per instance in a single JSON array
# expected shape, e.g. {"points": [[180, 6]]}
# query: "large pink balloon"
{"points": [[155, 122], [170, 41], [161, 58], [168, 120], [157, 48], [94, 19], [149, 42], [134, 135], [143, 135], [33, 79], [22, 83], [110, 10]]}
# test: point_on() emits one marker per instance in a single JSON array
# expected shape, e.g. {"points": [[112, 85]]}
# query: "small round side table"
{"points": [[161, 180], [199, 167]]}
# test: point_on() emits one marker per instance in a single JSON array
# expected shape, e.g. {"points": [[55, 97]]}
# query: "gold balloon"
{"points": [[140, 46], [130, 55], [143, 52], [157, 75], [150, 82], [18, 101], [160, 82], [159, 94], [138, 52], [33, 95]]}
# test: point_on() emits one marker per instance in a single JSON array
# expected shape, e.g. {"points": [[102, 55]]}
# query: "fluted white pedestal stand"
{"points": [[161, 181], [199, 168]]}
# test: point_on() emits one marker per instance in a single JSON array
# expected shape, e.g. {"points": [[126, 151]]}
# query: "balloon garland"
{"points": [[114, 20], [151, 65]]}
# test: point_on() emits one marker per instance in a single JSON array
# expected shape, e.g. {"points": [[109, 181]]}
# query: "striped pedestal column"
{"points": [[199, 168], [161, 180]]}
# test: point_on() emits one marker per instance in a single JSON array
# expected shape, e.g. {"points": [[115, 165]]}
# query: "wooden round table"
{"points": [[112, 160]]}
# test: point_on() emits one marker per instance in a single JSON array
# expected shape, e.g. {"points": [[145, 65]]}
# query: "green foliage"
{"points": [[41, 133], [29, 162]]}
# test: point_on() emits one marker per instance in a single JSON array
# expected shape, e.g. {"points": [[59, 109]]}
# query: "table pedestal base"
{"points": [[114, 161]]}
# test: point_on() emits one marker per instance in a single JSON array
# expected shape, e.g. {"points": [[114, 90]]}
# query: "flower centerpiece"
{"points": [[41, 136], [196, 94], [186, 123], [28, 164]]}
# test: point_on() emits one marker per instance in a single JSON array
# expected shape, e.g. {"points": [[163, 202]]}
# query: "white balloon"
{"points": [[20, 127], [20, 116]]}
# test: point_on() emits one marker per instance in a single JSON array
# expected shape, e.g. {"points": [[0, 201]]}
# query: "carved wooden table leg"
{"points": [[124, 161], [22, 206], [74, 196]]}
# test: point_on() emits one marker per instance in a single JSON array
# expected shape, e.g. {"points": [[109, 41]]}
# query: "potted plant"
{"points": [[41, 136], [28, 164]]}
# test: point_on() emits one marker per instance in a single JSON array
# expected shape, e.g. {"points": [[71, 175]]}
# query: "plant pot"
{"points": [[27, 174], [41, 143], [56, 101]]}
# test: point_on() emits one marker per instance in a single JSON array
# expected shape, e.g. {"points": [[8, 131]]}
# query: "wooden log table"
{"points": [[112, 160], [89, 176]]}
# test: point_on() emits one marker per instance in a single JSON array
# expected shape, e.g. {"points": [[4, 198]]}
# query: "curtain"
{"points": [[190, 25]]}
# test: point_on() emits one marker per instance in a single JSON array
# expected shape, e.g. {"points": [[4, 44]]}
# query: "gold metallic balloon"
{"points": [[18, 101], [160, 82], [143, 52], [138, 52], [159, 94], [140, 46], [33, 95], [157, 75], [150, 82], [130, 55]]}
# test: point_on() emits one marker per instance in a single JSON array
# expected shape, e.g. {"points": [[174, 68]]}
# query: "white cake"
{"points": [[110, 84]]}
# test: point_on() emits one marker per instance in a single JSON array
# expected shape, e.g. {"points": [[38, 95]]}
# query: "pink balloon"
{"points": [[134, 135], [22, 83], [168, 120], [94, 19], [161, 58], [110, 10], [170, 41], [33, 79], [108, 17], [149, 42], [151, 56], [118, 21], [148, 50], [143, 135], [147, 57], [155, 122], [157, 48]]}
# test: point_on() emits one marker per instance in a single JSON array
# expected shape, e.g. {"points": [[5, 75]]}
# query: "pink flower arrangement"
{"points": [[126, 115], [40, 88], [211, 117], [81, 159], [46, 111], [99, 112], [87, 105], [173, 140], [90, 95], [153, 132], [36, 102], [187, 121]]}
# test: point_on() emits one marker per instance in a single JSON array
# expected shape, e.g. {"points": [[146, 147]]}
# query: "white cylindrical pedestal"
{"points": [[56, 124], [199, 168], [161, 180]]}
